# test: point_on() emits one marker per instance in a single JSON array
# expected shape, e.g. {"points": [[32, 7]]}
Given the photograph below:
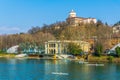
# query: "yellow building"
{"points": [[60, 47], [75, 21]]}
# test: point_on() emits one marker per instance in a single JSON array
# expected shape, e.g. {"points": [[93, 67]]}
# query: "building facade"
{"points": [[74, 20], [60, 47], [116, 29]]}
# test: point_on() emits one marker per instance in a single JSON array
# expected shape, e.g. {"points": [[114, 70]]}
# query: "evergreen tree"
{"points": [[117, 50], [98, 49]]}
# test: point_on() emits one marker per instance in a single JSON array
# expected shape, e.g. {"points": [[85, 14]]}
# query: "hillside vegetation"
{"points": [[97, 33]]}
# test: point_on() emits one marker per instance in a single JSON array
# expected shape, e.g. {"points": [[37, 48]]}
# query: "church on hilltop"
{"points": [[75, 21]]}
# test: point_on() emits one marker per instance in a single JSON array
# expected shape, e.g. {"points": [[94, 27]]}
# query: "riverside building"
{"points": [[60, 47]]}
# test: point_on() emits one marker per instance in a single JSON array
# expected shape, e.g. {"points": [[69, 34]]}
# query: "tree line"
{"points": [[99, 33]]}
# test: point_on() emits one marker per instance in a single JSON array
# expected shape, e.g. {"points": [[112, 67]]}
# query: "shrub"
{"points": [[110, 58], [74, 49]]}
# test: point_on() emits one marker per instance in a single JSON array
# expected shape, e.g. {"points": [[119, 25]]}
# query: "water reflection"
{"points": [[31, 69]]}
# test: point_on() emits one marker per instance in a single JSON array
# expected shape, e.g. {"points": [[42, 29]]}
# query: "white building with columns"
{"points": [[60, 47]]}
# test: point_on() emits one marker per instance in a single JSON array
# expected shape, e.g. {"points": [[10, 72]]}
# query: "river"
{"points": [[37, 69]]}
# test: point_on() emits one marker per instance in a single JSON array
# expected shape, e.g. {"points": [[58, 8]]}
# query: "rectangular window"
{"points": [[52, 45]]}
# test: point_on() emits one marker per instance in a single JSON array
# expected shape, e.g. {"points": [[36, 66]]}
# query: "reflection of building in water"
{"points": [[49, 67], [60, 47], [54, 66], [74, 20]]}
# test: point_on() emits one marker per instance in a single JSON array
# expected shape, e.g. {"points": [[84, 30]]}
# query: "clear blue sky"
{"points": [[21, 15]]}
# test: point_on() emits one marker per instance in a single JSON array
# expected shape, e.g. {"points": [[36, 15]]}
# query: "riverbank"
{"points": [[90, 58], [103, 59], [5, 55]]}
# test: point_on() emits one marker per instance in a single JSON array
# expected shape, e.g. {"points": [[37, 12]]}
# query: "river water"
{"points": [[37, 69]]}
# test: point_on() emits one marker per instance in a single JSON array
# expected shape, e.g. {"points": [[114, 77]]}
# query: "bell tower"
{"points": [[72, 14]]}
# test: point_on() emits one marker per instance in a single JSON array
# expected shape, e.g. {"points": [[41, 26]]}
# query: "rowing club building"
{"points": [[60, 47]]}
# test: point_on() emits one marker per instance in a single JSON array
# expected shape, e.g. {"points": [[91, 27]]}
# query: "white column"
{"points": [[46, 48]]}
